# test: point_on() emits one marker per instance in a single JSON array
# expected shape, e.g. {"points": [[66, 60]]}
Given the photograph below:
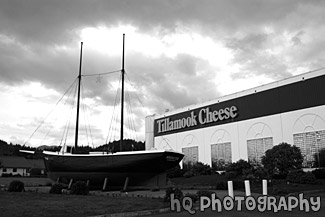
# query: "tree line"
{"points": [[9, 149]]}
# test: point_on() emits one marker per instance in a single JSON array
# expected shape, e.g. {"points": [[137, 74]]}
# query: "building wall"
{"points": [[14, 171], [281, 128], [302, 123]]}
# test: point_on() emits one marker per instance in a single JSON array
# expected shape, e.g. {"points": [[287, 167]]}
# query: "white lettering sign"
{"points": [[204, 116]]}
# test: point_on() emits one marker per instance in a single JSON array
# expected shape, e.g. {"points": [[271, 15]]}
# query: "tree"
{"points": [[238, 167], [281, 159]]}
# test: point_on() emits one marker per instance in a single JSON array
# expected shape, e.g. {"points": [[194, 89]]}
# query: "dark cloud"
{"points": [[55, 22], [251, 52], [172, 82]]}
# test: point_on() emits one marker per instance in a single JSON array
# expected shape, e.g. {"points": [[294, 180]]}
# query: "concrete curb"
{"points": [[136, 213]]}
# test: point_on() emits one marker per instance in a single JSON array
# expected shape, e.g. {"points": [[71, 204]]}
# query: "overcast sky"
{"points": [[178, 53]]}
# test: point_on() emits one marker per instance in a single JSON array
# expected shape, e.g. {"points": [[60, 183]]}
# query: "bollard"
{"points": [[247, 188], [230, 189], [105, 184], [126, 184], [264, 184], [70, 183]]}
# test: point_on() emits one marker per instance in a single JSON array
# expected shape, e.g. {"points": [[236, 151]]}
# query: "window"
{"points": [[14, 170], [256, 148], [4, 170], [191, 155], [311, 144], [220, 155]]}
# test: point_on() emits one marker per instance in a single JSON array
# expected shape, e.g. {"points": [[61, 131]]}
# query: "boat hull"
{"points": [[141, 168]]}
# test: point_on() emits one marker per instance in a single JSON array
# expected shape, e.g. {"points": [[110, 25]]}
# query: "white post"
{"points": [[105, 184], [247, 188], [70, 183], [264, 184], [230, 189]]}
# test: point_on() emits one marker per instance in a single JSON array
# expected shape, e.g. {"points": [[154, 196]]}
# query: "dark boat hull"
{"points": [[141, 168]]}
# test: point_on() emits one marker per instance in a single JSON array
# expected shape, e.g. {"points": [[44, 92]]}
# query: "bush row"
{"points": [[178, 194], [79, 188]]}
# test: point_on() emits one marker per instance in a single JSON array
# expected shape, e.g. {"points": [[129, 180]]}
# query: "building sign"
{"points": [[204, 116], [299, 95]]}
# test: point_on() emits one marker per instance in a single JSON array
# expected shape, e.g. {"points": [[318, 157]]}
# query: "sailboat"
{"points": [[129, 168]]}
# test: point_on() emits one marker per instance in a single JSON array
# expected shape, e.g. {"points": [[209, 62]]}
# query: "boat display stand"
{"points": [[105, 184], [70, 183], [126, 184]]}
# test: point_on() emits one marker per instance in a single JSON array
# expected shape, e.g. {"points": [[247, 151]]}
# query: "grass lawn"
{"points": [[276, 187], [45, 204]]}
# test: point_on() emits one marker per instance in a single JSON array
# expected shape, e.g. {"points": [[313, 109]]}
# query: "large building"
{"points": [[245, 124]]}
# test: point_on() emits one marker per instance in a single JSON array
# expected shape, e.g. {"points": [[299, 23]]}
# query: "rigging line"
{"points": [[86, 117], [135, 93], [72, 106], [67, 101], [72, 91], [54, 121], [131, 119], [48, 132], [49, 113], [83, 111], [113, 115], [128, 116], [83, 107], [104, 73]]}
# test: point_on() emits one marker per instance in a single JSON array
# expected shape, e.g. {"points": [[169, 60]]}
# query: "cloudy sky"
{"points": [[178, 53]]}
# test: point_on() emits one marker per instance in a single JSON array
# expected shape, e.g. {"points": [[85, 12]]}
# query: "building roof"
{"points": [[21, 162]]}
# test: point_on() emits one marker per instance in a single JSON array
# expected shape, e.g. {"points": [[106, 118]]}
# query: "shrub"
{"points": [[281, 159], [196, 169], [35, 172], [174, 172], [56, 189], [299, 176], [308, 178], [200, 168], [219, 165], [255, 173], [238, 184], [16, 186], [238, 167], [194, 197], [79, 188], [188, 174], [231, 175], [222, 185], [178, 194], [319, 173], [204, 193]]}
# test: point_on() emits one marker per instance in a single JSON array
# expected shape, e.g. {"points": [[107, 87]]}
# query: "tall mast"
{"points": [[122, 97], [78, 100]]}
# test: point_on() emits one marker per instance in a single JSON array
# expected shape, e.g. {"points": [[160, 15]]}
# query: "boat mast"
{"points": [[78, 100], [122, 97]]}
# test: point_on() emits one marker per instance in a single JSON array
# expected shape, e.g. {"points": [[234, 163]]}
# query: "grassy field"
{"points": [[45, 204]]}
